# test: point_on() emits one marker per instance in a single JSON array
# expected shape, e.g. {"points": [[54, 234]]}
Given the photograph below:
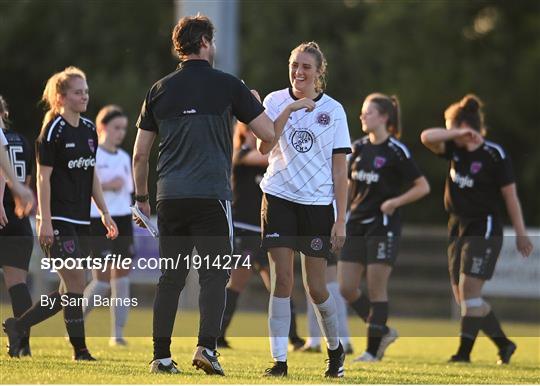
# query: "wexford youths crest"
{"points": [[69, 246], [323, 119], [302, 141], [316, 244], [91, 145], [379, 162], [475, 167]]}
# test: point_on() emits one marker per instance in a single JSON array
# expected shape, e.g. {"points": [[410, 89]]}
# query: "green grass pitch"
{"points": [[409, 360]]}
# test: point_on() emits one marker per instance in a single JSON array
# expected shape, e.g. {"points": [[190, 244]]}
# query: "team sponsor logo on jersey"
{"points": [[272, 236], [82, 163], [461, 181], [367, 177], [302, 140], [475, 167], [70, 145], [323, 119], [190, 111], [316, 244], [379, 162], [91, 145], [69, 246]]}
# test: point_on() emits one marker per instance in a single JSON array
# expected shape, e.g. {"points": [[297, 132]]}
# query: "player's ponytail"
{"points": [[57, 85], [314, 49], [469, 111], [389, 106]]}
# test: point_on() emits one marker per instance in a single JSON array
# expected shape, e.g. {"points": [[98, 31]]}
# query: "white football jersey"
{"points": [[108, 167], [300, 165]]}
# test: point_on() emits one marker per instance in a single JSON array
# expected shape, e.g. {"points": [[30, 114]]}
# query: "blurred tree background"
{"points": [[429, 53]]}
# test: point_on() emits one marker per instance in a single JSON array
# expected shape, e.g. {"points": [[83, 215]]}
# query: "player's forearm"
{"points": [[97, 195], [515, 213], [2, 187], [44, 196], [140, 174], [5, 166], [279, 125], [437, 135], [339, 177]]}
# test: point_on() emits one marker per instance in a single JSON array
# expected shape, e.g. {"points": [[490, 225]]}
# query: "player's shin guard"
{"points": [[341, 307], [73, 318], [47, 306], [470, 325], [361, 306], [279, 322], [94, 288], [492, 328], [119, 312], [377, 326], [327, 317]]}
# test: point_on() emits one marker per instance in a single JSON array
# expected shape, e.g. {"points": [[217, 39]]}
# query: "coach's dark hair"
{"points": [[58, 84], [469, 111], [389, 106], [314, 49], [189, 32], [4, 111]]}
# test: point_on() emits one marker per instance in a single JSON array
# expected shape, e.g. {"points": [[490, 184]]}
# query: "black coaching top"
{"points": [[191, 110], [378, 173], [21, 157], [71, 152], [474, 180]]}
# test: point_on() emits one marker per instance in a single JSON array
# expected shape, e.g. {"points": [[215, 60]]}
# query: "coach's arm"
{"points": [[141, 156]]}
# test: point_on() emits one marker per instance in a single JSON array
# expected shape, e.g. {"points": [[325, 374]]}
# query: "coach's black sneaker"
{"points": [[208, 363], [159, 368], [83, 355], [222, 342], [296, 343], [14, 337], [506, 353], [458, 358], [334, 363], [279, 369]]}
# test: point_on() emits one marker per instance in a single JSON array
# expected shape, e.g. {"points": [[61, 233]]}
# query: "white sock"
{"points": [[328, 321], [279, 323], [313, 325], [95, 287], [165, 361], [343, 325], [119, 312]]}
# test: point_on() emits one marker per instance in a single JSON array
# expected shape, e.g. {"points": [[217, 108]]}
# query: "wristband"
{"points": [[141, 197]]}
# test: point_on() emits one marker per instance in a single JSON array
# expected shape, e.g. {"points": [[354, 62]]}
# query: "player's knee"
{"points": [[284, 283], [318, 294], [349, 293], [474, 307]]}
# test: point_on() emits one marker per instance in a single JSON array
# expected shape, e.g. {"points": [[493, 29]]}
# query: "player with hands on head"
{"points": [[480, 176]]}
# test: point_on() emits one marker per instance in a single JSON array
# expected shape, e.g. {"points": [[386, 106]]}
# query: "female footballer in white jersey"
{"points": [[113, 167], [307, 171]]}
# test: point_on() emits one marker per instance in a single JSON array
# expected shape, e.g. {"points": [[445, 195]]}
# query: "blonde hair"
{"points": [[314, 49], [58, 84]]}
